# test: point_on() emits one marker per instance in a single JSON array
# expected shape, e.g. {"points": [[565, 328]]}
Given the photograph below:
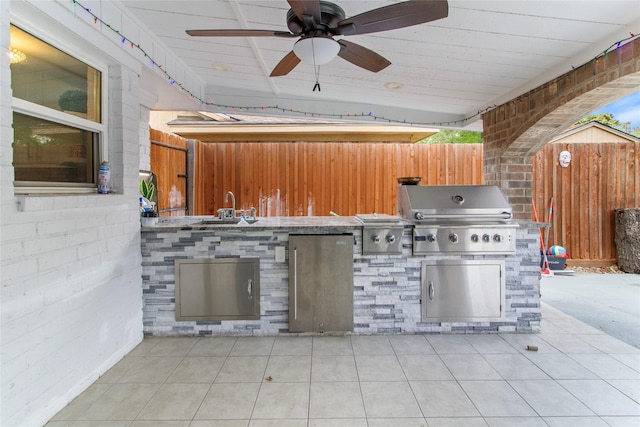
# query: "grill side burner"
{"points": [[381, 234], [467, 219]]}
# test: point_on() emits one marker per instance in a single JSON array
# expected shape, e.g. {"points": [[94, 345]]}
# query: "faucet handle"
{"points": [[226, 213], [248, 213]]}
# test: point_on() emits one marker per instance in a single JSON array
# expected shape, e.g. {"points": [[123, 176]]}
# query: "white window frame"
{"points": [[35, 110]]}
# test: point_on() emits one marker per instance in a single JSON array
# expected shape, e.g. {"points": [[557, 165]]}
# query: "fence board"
{"points": [[168, 163], [601, 177], [297, 178]]}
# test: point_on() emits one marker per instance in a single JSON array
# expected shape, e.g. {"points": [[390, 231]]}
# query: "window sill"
{"points": [[50, 201]]}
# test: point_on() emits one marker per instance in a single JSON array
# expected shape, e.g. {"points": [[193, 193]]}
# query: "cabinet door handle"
{"points": [[432, 291], [250, 288], [295, 284]]}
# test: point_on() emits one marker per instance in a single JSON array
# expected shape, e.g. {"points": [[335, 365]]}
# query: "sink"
{"points": [[221, 221]]}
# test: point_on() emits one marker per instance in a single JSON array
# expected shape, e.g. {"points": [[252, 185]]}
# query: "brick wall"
{"points": [[515, 131], [70, 266]]}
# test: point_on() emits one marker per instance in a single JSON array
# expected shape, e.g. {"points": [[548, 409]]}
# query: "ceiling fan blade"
{"points": [[362, 57], [309, 8], [239, 33], [285, 65], [399, 15]]}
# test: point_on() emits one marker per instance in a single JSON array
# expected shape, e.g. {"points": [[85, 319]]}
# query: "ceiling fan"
{"points": [[315, 22]]}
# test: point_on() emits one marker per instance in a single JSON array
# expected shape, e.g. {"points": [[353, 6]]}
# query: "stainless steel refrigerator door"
{"points": [[321, 283]]}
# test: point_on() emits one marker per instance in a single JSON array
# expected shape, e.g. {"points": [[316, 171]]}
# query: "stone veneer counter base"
{"points": [[387, 288]]}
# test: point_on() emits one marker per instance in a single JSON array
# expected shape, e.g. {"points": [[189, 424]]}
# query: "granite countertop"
{"points": [[288, 222]]}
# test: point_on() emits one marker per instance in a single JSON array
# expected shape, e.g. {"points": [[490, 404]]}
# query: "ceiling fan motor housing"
{"points": [[331, 14]]}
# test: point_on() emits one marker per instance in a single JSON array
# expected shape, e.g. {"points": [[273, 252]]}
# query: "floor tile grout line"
{"points": [[413, 393], [213, 380], [585, 403], [77, 417], [577, 398], [457, 380], [255, 402], [310, 377], [597, 351], [613, 359], [637, 400], [165, 382], [364, 407]]}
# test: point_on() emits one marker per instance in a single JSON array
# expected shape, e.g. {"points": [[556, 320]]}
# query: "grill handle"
{"points": [[504, 215], [432, 291]]}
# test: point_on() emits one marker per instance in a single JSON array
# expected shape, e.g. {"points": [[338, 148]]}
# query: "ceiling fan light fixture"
{"points": [[316, 50]]}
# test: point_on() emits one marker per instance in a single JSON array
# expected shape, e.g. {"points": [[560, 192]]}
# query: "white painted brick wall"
{"points": [[70, 268]]}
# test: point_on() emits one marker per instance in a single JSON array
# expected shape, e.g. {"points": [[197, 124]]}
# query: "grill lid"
{"points": [[453, 203]]}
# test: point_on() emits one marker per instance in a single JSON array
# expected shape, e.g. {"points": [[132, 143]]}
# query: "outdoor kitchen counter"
{"points": [[308, 223], [387, 287]]}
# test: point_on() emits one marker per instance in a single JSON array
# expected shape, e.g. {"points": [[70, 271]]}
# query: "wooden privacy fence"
{"points": [[169, 163], [300, 179], [315, 179], [600, 178]]}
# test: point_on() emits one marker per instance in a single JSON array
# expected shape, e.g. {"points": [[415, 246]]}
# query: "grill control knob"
{"points": [[431, 238], [486, 238], [475, 238], [497, 238], [419, 216], [375, 238], [391, 238], [453, 237]]}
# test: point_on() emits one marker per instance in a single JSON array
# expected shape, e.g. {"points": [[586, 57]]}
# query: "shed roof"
{"points": [[217, 127], [594, 132]]}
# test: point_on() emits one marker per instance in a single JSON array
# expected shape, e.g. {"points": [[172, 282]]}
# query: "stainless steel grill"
{"points": [[470, 219]]}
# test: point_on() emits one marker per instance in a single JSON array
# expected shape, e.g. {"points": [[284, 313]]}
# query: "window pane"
{"points": [[45, 151], [46, 76]]}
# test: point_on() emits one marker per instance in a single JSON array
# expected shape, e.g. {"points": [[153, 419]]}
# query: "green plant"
{"points": [[73, 100], [453, 137], [147, 189]]}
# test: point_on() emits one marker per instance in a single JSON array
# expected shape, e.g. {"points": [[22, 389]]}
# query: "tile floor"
{"points": [[578, 377]]}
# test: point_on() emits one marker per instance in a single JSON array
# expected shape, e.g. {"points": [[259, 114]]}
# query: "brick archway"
{"points": [[516, 130]]}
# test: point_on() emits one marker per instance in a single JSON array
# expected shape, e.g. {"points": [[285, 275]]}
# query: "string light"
{"points": [[613, 47], [276, 108]]}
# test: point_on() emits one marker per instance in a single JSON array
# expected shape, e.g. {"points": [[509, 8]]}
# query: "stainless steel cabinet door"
{"points": [[320, 283], [218, 289], [463, 290]]}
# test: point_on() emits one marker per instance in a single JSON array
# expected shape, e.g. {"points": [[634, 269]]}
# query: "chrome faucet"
{"points": [[233, 201]]}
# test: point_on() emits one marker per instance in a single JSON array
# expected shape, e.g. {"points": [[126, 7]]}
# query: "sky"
{"points": [[626, 109]]}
